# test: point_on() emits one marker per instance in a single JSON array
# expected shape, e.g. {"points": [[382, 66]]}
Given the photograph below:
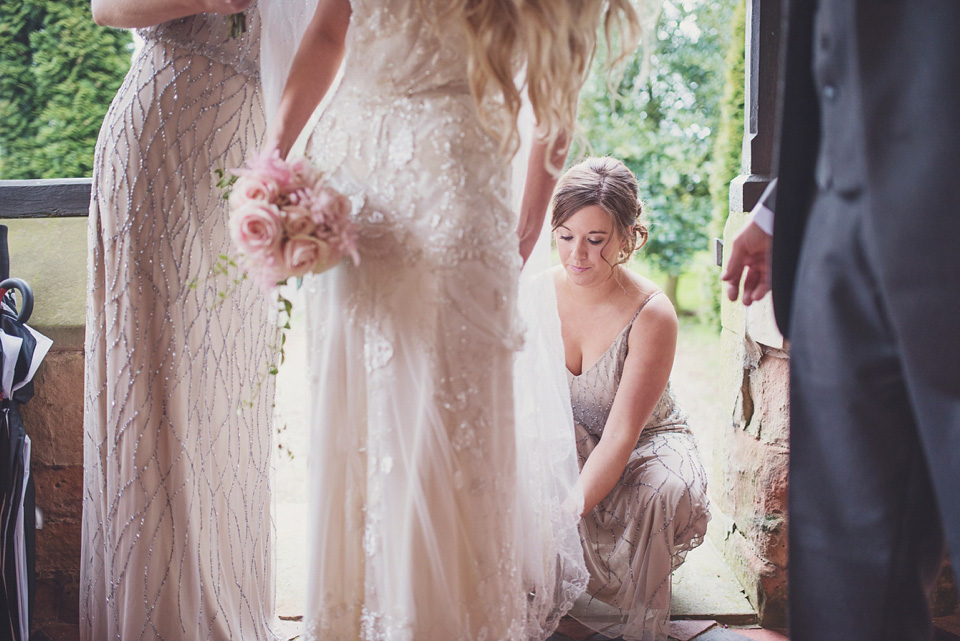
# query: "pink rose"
{"points": [[256, 228], [305, 254], [299, 221], [269, 166], [330, 206], [266, 270], [253, 187], [303, 173]]}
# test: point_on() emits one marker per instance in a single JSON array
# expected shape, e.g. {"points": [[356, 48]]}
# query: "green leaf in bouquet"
{"points": [[225, 181]]}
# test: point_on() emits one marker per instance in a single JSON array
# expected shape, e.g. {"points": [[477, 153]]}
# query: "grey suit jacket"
{"points": [[870, 107]]}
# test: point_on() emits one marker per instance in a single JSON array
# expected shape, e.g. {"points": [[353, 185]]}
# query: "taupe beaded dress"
{"points": [[176, 521], [657, 512]]}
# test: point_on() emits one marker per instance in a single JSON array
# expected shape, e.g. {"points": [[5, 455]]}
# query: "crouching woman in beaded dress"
{"points": [[643, 482]]}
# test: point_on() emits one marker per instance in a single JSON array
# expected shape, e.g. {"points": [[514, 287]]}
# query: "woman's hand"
{"points": [[130, 14], [272, 147], [572, 506]]}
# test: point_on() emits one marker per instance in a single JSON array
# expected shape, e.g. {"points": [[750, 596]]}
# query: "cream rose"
{"points": [[305, 254]]}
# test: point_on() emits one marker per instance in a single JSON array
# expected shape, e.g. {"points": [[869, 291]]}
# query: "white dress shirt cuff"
{"points": [[763, 218]]}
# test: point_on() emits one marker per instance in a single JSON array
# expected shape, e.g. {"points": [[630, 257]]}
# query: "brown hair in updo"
{"points": [[607, 183]]}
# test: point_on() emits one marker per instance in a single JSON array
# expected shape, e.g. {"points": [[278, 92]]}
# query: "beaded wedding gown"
{"points": [[177, 432], [416, 524]]}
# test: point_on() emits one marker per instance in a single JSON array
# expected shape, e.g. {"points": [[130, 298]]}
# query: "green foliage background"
{"points": [[58, 73], [728, 148], [663, 123]]}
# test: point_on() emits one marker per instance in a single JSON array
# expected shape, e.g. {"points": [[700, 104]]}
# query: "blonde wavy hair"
{"points": [[553, 43]]}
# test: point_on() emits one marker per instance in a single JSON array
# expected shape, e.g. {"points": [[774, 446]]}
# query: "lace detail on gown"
{"points": [[657, 512], [413, 454], [176, 515]]}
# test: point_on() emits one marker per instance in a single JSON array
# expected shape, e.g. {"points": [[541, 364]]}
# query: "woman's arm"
{"points": [[313, 70], [129, 14], [537, 190], [652, 345]]}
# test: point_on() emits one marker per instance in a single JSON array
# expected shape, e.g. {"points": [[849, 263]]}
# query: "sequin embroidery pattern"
{"points": [[413, 420], [177, 432]]}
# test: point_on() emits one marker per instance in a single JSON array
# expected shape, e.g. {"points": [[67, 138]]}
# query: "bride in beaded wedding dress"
{"points": [[423, 523]]}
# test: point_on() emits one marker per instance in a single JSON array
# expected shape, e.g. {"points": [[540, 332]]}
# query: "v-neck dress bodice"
{"points": [[593, 390]]}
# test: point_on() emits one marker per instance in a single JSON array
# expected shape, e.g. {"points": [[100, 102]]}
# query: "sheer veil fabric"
{"points": [[282, 25], [551, 496], [445, 491]]}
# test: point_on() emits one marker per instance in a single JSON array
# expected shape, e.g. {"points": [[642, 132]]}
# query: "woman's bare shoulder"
{"points": [[640, 290], [658, 318]]}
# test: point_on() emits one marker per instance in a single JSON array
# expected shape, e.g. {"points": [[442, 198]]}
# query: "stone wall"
{"points": [[51, 255], [751, 450]]}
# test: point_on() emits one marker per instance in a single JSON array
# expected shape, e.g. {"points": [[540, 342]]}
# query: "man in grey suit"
{"points": [[866, 285]]}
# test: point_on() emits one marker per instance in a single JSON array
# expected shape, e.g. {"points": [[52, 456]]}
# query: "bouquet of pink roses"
{"points": [[286, 222]]}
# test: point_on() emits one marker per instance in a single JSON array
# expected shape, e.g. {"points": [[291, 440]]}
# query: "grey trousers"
{"points": [[870, 481]]}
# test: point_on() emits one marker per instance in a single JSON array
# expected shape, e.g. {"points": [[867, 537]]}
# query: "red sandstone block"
{"points": [[54, 416], [58, 547], [59, 491], [45, 601]]}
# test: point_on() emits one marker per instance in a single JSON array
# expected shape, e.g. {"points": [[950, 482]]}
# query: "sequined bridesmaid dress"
{"points": [[176, 521], [657, 512]]}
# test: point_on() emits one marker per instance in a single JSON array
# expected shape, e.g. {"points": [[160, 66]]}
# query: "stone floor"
{"points": [[706, 596], [947, 629]]}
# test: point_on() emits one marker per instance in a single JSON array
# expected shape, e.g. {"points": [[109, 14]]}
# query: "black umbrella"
{"points": [[21, 350]]}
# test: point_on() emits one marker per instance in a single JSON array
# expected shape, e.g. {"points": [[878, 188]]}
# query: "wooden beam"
{"points": [[760, 98], [48, 198]]}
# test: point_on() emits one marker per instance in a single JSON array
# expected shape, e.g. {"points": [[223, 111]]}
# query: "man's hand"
{"points": [[751, 250]]}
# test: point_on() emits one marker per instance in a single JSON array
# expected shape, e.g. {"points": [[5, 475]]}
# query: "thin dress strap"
{"points": [[623, 339], [644, 304]]}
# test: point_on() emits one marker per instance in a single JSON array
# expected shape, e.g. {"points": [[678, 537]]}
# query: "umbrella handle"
{"points": [[25, 292]]}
